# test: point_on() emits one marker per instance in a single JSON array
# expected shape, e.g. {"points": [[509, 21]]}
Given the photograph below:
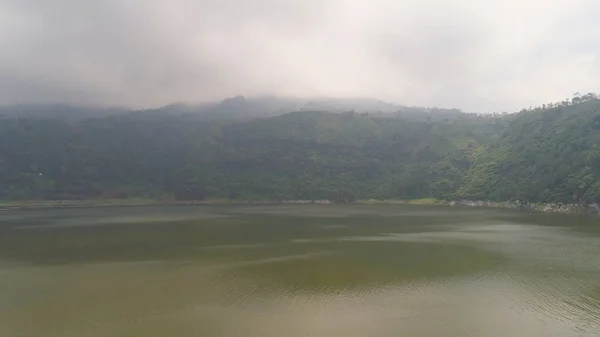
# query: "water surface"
{"points": [[298, 270]]}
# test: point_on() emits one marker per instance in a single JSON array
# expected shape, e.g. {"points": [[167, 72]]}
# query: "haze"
{"points": [[494, 55]]}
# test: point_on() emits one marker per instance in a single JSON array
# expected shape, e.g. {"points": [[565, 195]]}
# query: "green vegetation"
{"points": [[549, 154], [546, 154], [25, 204]]}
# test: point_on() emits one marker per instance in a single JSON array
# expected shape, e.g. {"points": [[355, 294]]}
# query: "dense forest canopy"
{"points": [[257, 149]]}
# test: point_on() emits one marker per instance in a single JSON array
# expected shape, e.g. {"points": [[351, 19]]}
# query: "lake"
{"points": [[298, 270]]}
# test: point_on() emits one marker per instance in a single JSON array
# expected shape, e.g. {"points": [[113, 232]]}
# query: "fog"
{"points": [[492, 55]]}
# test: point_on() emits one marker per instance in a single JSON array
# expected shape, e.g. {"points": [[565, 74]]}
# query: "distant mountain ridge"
{"points": [[270, 106], [267, 106], [237, 107]]}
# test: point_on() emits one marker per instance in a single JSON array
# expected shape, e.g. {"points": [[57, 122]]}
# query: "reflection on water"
{"points": [[298, 271]]}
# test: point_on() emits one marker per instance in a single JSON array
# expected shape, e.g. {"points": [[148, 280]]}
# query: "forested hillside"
{"points": [[551, 153], [548, 155]]}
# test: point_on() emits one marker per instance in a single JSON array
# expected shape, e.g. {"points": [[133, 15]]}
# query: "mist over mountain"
{"points": [[57, 111], [493, 55], [268, 106], [277, 149], [237, 107]]}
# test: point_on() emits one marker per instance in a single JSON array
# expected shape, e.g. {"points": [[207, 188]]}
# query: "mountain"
{"points": [[302, 154], [240, 107], [546, 154]]}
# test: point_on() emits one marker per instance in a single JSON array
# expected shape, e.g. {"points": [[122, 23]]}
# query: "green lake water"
{"points": [[298, 270]]}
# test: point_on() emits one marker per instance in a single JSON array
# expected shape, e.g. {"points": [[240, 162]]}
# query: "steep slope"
{"points": [[547, 155]]}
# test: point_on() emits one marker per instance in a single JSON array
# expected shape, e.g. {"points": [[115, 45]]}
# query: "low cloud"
{"points": [[476, 55]]}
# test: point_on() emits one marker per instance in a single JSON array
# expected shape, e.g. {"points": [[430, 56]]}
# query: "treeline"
{"points": [[547, 154]]}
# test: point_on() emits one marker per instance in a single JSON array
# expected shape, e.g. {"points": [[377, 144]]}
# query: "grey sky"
{"points": [[478, 55]]}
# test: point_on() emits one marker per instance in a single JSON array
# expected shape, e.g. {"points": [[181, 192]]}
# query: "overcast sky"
{"points": [[478, 55]]}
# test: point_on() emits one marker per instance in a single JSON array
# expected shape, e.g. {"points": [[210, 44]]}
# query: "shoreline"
{"points": [[562, 208], [89, 203]]}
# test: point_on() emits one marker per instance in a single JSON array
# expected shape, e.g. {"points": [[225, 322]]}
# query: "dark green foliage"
{"points": [[548, 154], [301, 155]]}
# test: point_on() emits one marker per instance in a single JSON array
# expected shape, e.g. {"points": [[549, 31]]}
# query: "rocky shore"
{"points": [[540, 207]]}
